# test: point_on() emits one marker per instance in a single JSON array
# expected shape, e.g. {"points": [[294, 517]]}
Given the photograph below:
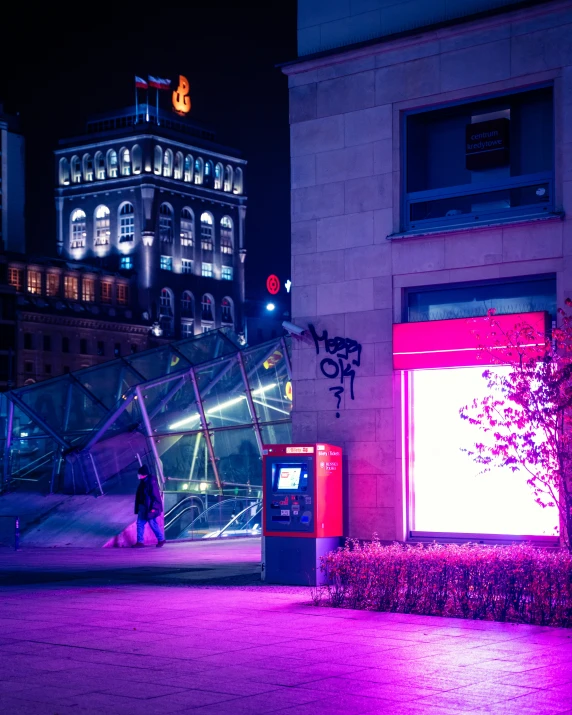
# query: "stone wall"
{"points": [[346, 123]]}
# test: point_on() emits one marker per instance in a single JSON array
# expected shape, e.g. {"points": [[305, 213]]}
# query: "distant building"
{"points": [[12, 188], [150, 194], [58, 317]]}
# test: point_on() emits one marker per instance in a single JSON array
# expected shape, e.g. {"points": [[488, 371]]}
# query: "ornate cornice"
{"points": [[69, 321]]}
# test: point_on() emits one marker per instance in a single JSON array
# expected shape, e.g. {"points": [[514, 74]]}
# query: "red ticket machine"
{"points": [[302, 510]]}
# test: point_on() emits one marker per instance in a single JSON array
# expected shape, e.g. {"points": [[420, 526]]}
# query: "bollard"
{"points": [[16, 533]]}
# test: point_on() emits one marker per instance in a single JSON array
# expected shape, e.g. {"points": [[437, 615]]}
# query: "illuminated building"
{"points": [[150, 193], [431, 180]]}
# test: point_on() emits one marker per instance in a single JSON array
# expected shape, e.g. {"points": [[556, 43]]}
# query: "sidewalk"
{"points": [[107, 638]]}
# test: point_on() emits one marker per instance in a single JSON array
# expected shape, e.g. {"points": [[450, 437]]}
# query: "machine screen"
{"points": [[289, 478]]}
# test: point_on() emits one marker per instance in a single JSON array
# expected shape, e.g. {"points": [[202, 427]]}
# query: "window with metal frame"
{"points": [[71, 284], [34, 282], [166, 263], [88, 290], [226, 235], [126, 223], [187, 221], [479, 162], [207, 231]]}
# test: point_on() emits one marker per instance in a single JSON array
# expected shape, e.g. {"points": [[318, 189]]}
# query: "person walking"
{"points": [[148, 506]]}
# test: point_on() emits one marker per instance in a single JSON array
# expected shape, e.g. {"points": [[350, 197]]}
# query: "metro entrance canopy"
{"points": [[197, 411]]}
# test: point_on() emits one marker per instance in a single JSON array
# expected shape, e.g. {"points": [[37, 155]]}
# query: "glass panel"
{"points": [[207, 347], [467, 301], [270, 386], [536, 196], [277, 434], [186, 457], [223, 394], [172, 407], [126, 421], [158, 363], [32, 460], [239, 463], [108, 382]]}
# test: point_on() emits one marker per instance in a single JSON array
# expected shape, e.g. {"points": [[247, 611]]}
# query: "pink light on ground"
{"points": [[449, 494]]}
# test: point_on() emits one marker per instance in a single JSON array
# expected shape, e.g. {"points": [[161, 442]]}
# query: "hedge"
{"points": [[518, 583]]}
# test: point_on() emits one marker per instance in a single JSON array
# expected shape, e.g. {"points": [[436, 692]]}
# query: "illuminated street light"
{"points": [[270, 307]]}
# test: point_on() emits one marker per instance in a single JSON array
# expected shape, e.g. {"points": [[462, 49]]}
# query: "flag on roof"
{"points": [[159, 83], [140, 83]]}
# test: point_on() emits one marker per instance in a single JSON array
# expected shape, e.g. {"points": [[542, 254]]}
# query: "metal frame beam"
{"points": [[149, 431], [205, 425], [251, 406], [8, 446], [37, 419], [109, 421]]}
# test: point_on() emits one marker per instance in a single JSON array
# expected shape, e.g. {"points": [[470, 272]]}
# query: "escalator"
{"points": [[228, 518]]}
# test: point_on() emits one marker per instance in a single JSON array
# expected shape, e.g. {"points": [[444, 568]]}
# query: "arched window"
{"points": [[137, 159], [218, 176], [166, 223], [112, 164], [125, 162], [99, 161], [178, 170], [187, 304], [87, 167], [78, 229], [188, 170], [126, 223], [158, 160], [168, 163], [227, 316], [187, 227], [209, 173], [199, 168], [228, 178], [75, 170], [207, 308], [207, 231], [64, 171], [238, 187], [166, 311], [102, 226], [226, 238]]}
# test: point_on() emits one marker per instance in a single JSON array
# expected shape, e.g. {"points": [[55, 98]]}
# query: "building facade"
{"points": [[431, 176], [12, 186], [149, 194], [59, 317]]}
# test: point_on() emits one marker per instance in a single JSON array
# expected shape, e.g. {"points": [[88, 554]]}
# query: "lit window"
{"points": [[166, 263], [178, 168], [207, 231], [157, 160], [226, 239], [228, 178], [166, 223], [188, 170], [187, 303], [34, 282], [78, 229], [218, 176], [207, 307], [75, 170], [209, 173], [187, 329], [226, 273], [126, 263], [168, 163], [99, 166], [166, 311], [87, 167], [186, 265], [137, 159], [102, 226], [64, 172], [15, 278], [226, 310], [125, 162], [238, 186], [112, 163], [105, 288], [88, 290], [207, 270], [187, 227], [199, 167], [126, 223], [52, 284], [71, 287], [122, 293]]}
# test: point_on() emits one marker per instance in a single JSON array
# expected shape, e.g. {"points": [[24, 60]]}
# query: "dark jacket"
{"points": [[148, 497]]}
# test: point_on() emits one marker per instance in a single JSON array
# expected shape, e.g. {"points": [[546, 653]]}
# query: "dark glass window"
{"points": [[100, 347], [65, 344], [83, 346], [29, 366], [28, 341], [117, 349], [48, 369], [133, 348], [47, 342]]}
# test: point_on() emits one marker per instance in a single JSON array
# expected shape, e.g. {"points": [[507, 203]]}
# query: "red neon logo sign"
{"points": [[273, 284]]}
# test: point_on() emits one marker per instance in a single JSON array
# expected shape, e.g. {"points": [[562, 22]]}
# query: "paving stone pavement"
{"points": [[111, 631]]}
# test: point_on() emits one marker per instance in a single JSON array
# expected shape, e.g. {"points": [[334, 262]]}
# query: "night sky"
{"points": [[62, 66]]}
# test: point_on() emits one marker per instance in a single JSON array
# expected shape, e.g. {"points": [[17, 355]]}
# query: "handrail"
{"points": [[259, 505], [217, 504], [178, 516], [178, 504]]}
